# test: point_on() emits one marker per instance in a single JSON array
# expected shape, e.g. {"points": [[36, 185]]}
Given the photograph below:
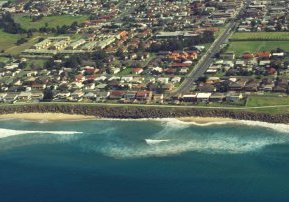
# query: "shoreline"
{"points": [[206, 120], [47, 117], [76, 117]]}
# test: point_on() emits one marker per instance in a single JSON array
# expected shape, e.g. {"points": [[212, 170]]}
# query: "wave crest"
{"points": [[8, 132]]}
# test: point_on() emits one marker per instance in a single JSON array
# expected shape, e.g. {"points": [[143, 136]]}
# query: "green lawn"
{"points": [[125, 72], [260, 36], [7, 40], [4, 59], [52, 21], [16, 50], [259, 101], [240, 47], [36, 62]]}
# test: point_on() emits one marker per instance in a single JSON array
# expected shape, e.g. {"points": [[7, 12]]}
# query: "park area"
{"points": [[260, 36], [51, 21]]}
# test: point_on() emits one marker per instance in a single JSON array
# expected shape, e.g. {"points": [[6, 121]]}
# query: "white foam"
{"points": [[283, 128], [8, 132], [182, 140], [154, 142], [213, 146]]}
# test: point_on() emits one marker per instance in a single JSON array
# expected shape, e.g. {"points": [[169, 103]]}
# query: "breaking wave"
{"points": [[283, 128], [217, 146], [8, 132], [178, 124], [215, 138], [186, 137]]}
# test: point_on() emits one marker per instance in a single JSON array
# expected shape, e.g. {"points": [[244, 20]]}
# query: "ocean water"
{"points": [[109, 160]]}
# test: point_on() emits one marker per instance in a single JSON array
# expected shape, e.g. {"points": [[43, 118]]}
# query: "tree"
{"points": [[23, 65], [48, 94], [120, 53], [100, 55], [21, 41]]}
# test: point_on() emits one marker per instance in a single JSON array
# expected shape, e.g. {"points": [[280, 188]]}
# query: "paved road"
{"points": [[205, 62], [124, 12]]}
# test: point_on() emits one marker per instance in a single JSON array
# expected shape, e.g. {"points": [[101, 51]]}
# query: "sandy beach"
{"points": [[76, 117], [205, 120], [47, 116]]}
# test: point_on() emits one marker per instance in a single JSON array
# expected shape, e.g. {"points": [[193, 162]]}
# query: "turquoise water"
{"points": [[111, 161]]}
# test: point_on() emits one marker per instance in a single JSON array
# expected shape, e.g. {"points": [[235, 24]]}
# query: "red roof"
{"points": [[271, 70], [263, 54], [248, 56], [142, 93], [176, 65], [117, 93], [137, 70]]}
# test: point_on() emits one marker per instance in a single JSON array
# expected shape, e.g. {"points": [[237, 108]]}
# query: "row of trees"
{"points": [[8, 24], [100, 58], [180, 44]]}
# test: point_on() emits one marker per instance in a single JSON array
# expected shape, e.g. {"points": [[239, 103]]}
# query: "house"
{"points": [[217, 97], [203, 97], [189, 98], [116, 95], [37, 96], [234, 97], [24, 96], [143, 95], [237, 85], [76, 95], [90, 96], [102, 95], [137, 70], [252, 86], [2, 97], [167, 87], [131, 95], [248, 56], [158, 98], [267, 85], [281, 86], [228, 56], [206, 88], [11, 97], [263, 55]]}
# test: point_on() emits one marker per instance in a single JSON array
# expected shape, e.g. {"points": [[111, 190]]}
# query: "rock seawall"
{"points": [[135, 112]]}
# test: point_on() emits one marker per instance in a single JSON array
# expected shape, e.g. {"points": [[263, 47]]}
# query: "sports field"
{"points": [[240, 47], [51, 21], [260, 36]]}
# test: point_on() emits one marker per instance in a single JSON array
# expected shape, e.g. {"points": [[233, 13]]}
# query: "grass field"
{"points": [[52, 21], [260, 36], [16, 50], [7, 40], [240, 47], [259, 101]]}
